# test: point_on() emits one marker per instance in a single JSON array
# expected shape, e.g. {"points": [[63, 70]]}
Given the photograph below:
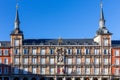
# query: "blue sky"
{"points": [[59, 18]]}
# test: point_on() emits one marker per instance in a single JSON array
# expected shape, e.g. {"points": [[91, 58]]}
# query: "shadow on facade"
{"points": [[22, 75]]}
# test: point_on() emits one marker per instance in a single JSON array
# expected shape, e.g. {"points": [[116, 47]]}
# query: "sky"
{"points": [[59, 18]]}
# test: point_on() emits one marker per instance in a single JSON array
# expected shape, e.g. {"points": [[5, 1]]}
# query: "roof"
{"points": [[115, 43], [56, 42], [4, 43]]}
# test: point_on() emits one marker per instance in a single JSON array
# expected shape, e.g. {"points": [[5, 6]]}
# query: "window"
{"points": [[105, 71], [25, 71], [78, 51], [34, 70], [42, 70], [0, 60], [16, 51], [69, 60], [42, 51], [96, 70], [69, 51], [34, 60], [0, 70], [6, 61], [117, 62], [87, 60], [96, 51], [16, 70], [116, 52], [96, 61], [6, 52], [51, 60], [42, 60], [69, 70], [34, 51], [16, 43], [25, 60], [105, 42], [52, 70], [25, 51], [0, 52], [86, 51], [51, 51], [78, 70], [16, 60], [105, 51], [87, 70], [117, 71], [78, 60], [105, 61], [5, 70]]}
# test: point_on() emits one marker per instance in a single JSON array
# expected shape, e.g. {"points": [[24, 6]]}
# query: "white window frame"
{"points": [[96, 71], [116, 52], [69, 61], [25, 60], [42, 70], [96, 51], [106, 61], [69, 51], [96, 61], [6, 52], [87, 70], [52, 70], [42, 51], [16, 60], [25, 51], [34, 70], [16, 51], [25, 70], [51, 60], [34, 60], [34, 51], [87, 60], [0, 52], [42, 60], [117, 61], [5, 60], [78, 60], [105, 42], [78, 70], [16, 42], [69, 70]]}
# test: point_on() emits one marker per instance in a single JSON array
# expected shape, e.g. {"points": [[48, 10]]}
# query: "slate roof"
{"points": [[55, 42], [115, 43], [4, 43]]}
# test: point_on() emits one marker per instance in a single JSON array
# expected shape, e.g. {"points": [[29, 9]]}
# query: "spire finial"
{"points": [[101, 5], [17, 21], [102, 20]]}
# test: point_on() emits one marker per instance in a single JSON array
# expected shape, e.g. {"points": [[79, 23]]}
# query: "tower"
{"points": [[103, 36], [17, 34]]}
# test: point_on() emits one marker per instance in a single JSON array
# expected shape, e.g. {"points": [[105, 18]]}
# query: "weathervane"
{"points": [[101, 5]]}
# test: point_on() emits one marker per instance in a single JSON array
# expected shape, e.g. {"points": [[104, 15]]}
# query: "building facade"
{"points": [[5, 60], [116, 59], [60, 59]]}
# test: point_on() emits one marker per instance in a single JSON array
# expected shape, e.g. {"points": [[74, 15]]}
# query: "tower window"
{"points": [[16, 42]]}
